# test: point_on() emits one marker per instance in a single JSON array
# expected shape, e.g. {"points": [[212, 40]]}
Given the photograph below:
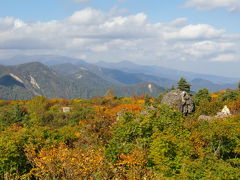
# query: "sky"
{"points": [[192, 35]]}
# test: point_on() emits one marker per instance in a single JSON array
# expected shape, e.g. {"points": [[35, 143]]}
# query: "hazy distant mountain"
{"points": [[71, 77], [138, 89], [124, 66], [167, 77], [113, 76], [45, 59], [164, 72], [213, 87], [33, 79], [80, 74], [121, 77], [121, 82]]}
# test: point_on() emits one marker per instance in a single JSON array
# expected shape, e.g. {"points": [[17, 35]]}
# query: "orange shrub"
{"points": [[112, 112], [235, 106], [63, 162], [135, 158]]}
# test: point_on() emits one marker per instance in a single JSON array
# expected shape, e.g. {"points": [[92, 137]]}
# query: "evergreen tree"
{"points": [[183, 85], [202, 94], [239, 85], [173, 87]]}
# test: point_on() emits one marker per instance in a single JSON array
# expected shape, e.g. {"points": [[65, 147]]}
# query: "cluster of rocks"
{"points": [[180, 100], [224, 113]]}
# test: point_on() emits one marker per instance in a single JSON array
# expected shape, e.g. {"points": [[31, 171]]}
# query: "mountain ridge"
{"points": [[173, 74], [72, 77], [37, 79]]}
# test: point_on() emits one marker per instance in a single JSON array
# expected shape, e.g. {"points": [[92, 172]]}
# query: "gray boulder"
{"points": [[180, 100], [220, 115], [204, 117]]}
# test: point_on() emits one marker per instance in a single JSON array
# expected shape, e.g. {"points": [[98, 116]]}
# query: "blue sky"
{"points": [[194, 35], [157, 10]]}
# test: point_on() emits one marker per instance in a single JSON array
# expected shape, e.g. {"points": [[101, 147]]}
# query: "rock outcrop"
{"points": [[219, 115], [180, 100], [224, 113], [206, 118]]}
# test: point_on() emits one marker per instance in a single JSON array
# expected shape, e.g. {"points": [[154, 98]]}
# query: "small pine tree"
{"points": [[183, 85], [239, 85], [202, 94], [173, 87]]}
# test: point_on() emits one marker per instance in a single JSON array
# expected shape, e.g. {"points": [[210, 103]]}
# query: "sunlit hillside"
{"points": [[119, 138]]}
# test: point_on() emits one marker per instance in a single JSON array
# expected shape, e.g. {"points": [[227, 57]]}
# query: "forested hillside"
{"points": [[119, 138], [69, 81], [80, 79]]}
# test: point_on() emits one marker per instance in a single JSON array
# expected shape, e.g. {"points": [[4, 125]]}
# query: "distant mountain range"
{"points": [[34, 79], [64, 77]]}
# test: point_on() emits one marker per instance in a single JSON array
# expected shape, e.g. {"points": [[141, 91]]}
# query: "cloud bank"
{"points": [[230, 5], [96, 35]]}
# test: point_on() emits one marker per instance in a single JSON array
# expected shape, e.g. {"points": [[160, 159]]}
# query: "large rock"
{"points": [[180, 100]]}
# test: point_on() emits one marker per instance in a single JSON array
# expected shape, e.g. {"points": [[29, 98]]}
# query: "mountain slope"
{"points": [[33, 79], [164, 72], [113, 76], [125, 78], [138, 89], [124, 66], [212, 87], [77, 75]]}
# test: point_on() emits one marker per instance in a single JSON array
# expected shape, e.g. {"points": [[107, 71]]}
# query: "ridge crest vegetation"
{"points": [[113, 137]]}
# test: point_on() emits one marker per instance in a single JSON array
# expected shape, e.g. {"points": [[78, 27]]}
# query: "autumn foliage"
{"points": [[119, 138], [62, 162]]}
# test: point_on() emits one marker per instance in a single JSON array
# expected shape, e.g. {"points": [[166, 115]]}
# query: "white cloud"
{"points": [[225, 58], [230, 5], [97, 35], [86, 16], [199, 31]]}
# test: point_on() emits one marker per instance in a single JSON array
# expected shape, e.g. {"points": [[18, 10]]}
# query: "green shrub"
{"points": [[230, 95], [202, 94]]}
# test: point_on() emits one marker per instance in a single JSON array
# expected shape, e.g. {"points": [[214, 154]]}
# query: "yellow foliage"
{"points": [[63, 162], [214, 96], [54, 101], [218, 94], [198, 143], [122, 107], [135, 158], [152, 100], [126, 99], [78, 134], [140, 102], [77, 100], [222, 92]]}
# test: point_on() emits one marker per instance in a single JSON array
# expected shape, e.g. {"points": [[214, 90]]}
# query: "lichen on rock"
{"points": [[180, 100]]}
